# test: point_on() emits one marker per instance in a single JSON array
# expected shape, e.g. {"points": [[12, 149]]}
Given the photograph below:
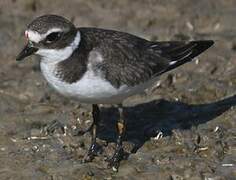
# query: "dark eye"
{"points": [[53, 37]]}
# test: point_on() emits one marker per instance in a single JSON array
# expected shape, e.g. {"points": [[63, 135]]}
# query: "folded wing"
{"points": [[131, 60]]}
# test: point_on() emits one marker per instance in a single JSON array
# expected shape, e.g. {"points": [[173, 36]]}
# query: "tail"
{"points": [[179, 53]]}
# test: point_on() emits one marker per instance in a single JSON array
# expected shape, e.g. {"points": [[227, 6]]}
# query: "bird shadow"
{"points": [[146, 120]]}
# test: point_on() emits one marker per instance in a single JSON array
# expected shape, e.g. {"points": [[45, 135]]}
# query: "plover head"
{"points": [[52, 37]]}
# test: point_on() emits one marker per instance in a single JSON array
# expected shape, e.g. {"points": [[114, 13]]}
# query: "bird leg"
{"points": [[119, 152], [93, 128]]}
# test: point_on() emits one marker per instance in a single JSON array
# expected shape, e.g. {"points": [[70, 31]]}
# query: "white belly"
{"points": [[90, 88]]}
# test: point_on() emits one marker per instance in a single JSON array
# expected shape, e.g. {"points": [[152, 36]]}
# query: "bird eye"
{"points": [[53, 37]]}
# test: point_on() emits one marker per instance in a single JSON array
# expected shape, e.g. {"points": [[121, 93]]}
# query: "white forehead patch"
{"points": [[33, 36], [36, 37]]}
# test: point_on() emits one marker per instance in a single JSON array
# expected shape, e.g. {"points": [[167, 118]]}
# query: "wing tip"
{"points": [[203, 45], [197, 47]]}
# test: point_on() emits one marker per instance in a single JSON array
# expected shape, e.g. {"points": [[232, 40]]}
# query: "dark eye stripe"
{"points": [[53, 37]]}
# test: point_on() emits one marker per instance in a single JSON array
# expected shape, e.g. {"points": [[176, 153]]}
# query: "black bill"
{"points": [[27, 51]]}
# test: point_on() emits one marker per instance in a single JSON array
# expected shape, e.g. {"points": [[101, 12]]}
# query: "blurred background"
{"points": [[191, 108]]}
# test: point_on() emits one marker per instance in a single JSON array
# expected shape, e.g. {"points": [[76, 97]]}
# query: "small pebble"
{"points": [[227, 165], [176, 177], [3, 149], [35, 148]]}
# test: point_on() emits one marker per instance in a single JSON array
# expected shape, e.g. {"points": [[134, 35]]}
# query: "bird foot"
{"points": [[114, 161], [92, 152]]}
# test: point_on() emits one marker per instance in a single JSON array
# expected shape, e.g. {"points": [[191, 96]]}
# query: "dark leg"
{"points": [[119, 152], [94, 147]]}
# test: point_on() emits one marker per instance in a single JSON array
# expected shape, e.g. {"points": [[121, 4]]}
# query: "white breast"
{"points": [[89, 89]]}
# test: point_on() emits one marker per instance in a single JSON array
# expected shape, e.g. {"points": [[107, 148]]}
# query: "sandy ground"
{"points": [[183, 128]]}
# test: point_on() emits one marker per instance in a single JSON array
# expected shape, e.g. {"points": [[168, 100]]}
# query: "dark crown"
{"points": [[43, 23]]}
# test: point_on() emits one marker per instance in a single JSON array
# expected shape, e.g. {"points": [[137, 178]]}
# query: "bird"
{"points": [[100, 66]]}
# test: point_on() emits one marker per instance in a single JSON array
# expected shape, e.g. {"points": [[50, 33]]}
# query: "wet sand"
{"points": [[182, 128]]}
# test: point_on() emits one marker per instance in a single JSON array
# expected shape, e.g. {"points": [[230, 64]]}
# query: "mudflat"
{"points": [[182, 128]]}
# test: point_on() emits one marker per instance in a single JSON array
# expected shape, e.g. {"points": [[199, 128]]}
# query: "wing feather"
{"points": [[131, 60]]}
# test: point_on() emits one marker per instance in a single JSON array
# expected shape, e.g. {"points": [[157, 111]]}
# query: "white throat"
{"points": [[57, 55]]}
